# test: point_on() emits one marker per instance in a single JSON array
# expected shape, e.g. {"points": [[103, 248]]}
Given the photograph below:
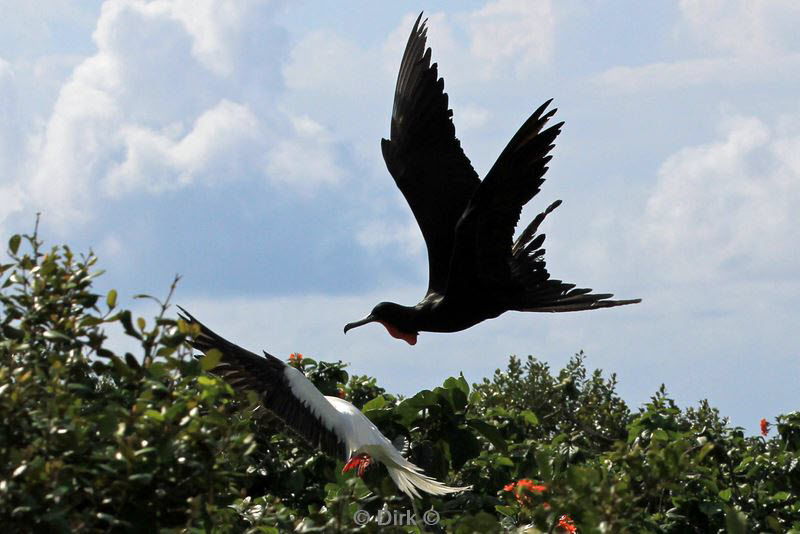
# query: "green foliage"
{"points": [[92, 440]]}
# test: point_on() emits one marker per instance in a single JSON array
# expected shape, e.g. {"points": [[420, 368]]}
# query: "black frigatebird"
{"points": [[476, 270], [328, 423]]}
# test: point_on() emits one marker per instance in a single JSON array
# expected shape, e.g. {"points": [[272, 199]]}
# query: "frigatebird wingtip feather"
{"points": [[425, 157]]}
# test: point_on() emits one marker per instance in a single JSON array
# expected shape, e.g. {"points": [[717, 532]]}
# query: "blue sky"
{"points": [[237, 143]]}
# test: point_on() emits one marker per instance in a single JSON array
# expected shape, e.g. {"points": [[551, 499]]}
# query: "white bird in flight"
{"points": [[330, 424]]}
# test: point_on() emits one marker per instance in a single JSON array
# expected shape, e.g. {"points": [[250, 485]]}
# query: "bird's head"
{"points": [[398, 320], [360, 461]]}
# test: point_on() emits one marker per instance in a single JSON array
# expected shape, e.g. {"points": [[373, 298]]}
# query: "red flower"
{"points": [[523, 485], [295, 357], [567, 524], [530, 486], [764, 427]]}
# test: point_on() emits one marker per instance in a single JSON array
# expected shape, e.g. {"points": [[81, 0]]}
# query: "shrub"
{"points": [[92, 440]]}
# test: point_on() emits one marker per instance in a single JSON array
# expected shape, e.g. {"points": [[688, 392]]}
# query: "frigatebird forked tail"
{"points": [[541, 293], [475, 270]]}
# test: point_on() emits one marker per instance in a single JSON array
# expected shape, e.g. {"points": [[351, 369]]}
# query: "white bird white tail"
{"points": [[409, 478]]}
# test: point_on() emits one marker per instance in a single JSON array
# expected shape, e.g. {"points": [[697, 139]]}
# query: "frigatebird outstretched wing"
{"points": [[484, 257], [424, 156], [283, 389], [482, 252]]}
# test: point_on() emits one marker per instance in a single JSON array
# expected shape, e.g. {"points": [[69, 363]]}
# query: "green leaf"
{"points": [[530, 417], [659, 434], [90, 320], [408, 410], [457, 383], [125, 318], [463, 446], [781, 496], [375, 404], [489, 432], [747, 460], [475, 397], [504, 461], [210, 360], [13, 243], [111, 299], [454, 396], [725, 494], [131, 360], [775, 525], [708, 447], [424, 399], [55, 334], [153, 414], [108, 518], [508, 511], [119, 366], [206, 380], [141, 477], [47, 267], [735, 520]]}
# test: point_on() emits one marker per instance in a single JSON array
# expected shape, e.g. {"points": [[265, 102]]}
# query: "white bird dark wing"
{"points": [[283, 390], [329, 423]]}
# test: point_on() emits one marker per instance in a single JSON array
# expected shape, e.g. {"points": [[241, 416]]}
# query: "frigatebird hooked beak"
{"points": [[366, 320], [328, 423], [476, 270], [392, 316]]}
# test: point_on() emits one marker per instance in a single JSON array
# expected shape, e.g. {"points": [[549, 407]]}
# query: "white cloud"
{"points": [[740, 41], [215, 27], [380, 234], [325, 61], [8, 118], [155, 161], [305, 160], [726, 208], [176, 92], [13, 202], [503, 35], [76, 140], [750, 28], [675, 75], [662, 76], [27, 29], [11, 194], [511, 32], [470, 117], [111, 247]]}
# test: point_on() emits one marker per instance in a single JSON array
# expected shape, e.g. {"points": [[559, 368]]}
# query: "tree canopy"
{"points": [[96, 441]]}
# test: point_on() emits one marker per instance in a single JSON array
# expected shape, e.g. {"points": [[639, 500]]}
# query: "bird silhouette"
{"points": [[476, 270], [330, 424]]}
